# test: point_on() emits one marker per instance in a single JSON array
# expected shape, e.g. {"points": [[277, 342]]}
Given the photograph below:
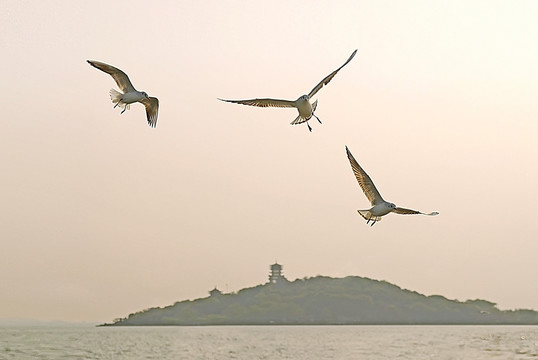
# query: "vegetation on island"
{"points": [[323, 300]]}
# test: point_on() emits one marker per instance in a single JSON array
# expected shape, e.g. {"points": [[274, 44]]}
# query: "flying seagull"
{"points": [[130, 94], [379, 207], [303, 105]]}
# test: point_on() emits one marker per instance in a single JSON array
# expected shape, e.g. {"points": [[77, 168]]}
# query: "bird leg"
{"points": [[117, 104], [373, 222], [317, 118], [309, 127], [125, 108]]}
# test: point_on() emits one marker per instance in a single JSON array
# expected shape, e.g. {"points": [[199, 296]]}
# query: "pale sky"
{"points": [[102, 216]]}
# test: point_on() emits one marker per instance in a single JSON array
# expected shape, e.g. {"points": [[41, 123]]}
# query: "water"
{"points": [[270, 342]]}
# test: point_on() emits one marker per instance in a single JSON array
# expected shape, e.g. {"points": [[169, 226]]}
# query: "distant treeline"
{"points": [[327, 301]]}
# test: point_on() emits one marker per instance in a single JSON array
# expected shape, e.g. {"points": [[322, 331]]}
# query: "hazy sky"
{"points": [[101, 215]]}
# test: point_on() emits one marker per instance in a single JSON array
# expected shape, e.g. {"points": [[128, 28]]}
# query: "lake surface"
{"points": [[270, 342]]}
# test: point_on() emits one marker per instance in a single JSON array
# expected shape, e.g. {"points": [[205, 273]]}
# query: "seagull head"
{"points": [[392, 206], [145, 94]]}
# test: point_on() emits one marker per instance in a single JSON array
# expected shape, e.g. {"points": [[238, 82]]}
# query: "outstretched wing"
{"points": [[263, 102], [152, 110], [403, 211], [329, 77], [367, 185], [119, 76]]}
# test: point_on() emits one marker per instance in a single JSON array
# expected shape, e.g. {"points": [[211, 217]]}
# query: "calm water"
{"points": [[272, 342]]}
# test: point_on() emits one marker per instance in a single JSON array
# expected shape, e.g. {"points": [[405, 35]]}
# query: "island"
{"points": [[323, 300]]}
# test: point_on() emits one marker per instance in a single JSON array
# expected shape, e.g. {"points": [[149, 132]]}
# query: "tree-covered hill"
{"points": [[324, 300]]}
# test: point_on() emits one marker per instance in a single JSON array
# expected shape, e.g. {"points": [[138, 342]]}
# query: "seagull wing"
{"points": [[329, 77], [263, 102], [119, 76], [403, 211], [152, 110], [367, 185]]}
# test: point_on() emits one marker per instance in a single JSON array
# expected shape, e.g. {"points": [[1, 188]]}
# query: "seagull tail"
{"points": [[368, 216], [298, 120], [116, 97]]}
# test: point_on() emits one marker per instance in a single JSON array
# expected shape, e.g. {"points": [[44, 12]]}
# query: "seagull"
{"points": [[379, 207], [303, 105], [130, 94]]}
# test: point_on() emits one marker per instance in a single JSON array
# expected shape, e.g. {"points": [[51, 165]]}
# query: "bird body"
{"points": [[133, 96], [130, 94], [379, 207], [304, 106], [379, 210]]}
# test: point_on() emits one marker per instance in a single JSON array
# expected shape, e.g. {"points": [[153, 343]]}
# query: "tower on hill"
{"points": [[215, 292], [276, 273]]}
